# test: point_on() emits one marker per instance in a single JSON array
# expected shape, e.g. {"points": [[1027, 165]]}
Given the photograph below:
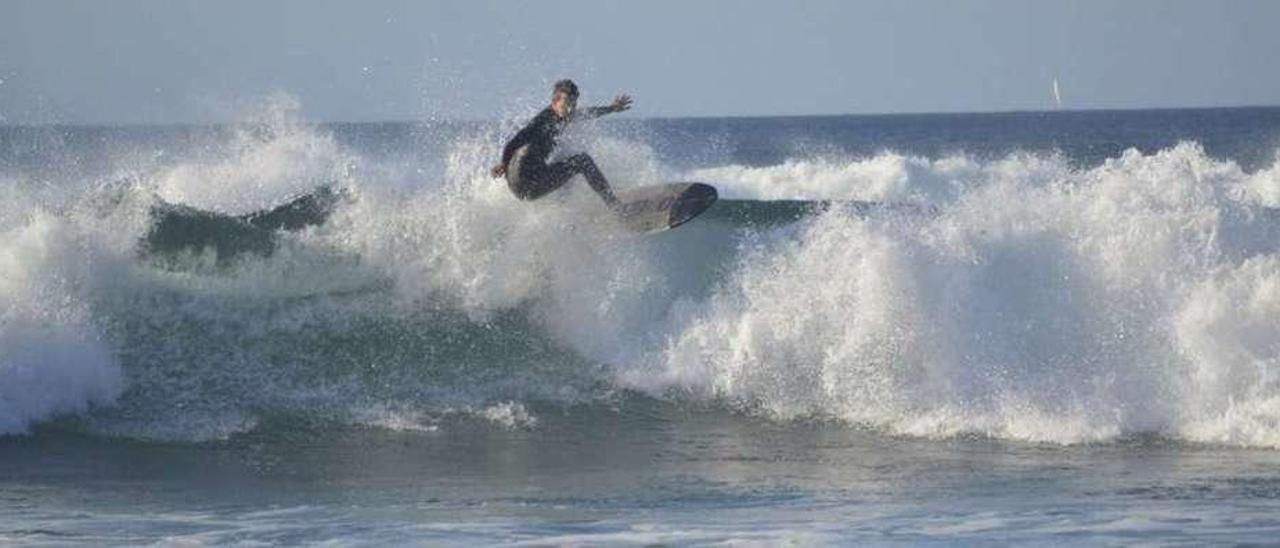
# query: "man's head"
{"points": [[564, 98]]}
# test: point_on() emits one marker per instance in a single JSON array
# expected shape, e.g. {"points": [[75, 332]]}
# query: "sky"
{"points": [[192, 61]]}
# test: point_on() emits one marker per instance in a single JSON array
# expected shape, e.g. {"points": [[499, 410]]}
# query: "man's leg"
{"points": [[536, 183], [584, 165]]}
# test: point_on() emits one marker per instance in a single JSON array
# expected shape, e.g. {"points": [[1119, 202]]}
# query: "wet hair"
{"points": [[567, 86]]}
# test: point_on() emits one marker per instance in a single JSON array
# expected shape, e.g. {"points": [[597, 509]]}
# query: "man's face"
{"points": [[564, 104]]}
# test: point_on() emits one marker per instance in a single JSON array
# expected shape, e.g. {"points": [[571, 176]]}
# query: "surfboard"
{"points": [[660, 207]]}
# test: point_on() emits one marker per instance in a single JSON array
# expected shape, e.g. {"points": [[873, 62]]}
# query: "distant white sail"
{"points": [[1057, 95]]}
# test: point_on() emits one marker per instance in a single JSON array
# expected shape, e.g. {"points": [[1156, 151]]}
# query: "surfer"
{"points": [[530, 176]]}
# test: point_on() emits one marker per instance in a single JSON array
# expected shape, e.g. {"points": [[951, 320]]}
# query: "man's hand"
{"points": [[498, 171], [621, 103]]}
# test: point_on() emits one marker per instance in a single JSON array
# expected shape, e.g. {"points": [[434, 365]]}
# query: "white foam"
{"points": [[396, 419], [886, 177], [52, 361], [475, 246], [1044, 304], [509, 415], [271, 154], [1263, 187], [1041, 302], [1228, 329]]}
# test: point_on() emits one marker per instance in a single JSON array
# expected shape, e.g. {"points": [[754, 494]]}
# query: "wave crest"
{"points": [[1044, 304]]}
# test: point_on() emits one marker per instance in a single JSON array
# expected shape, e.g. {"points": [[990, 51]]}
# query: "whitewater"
{"points": [[1062, 293]]}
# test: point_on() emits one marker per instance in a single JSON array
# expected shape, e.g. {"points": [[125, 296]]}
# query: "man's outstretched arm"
{"points": [[620, 103]]}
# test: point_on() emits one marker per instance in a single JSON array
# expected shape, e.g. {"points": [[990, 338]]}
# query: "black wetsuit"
{"points": [[533, 177]]}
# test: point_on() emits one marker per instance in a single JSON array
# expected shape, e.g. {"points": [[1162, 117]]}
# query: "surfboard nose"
{"points": [[663, 206], [695, 199]]}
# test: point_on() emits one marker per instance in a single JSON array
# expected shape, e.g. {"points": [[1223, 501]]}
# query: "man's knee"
{"points": [[581, 162]]}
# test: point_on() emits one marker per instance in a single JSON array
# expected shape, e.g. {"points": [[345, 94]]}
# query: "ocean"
{"points": [[1032, 327]]}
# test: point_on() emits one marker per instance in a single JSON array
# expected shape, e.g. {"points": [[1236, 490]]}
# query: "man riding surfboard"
{"points": [[524, 158]]}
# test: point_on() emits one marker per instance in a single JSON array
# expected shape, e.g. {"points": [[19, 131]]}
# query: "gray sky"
{"points": [[159, 61]]}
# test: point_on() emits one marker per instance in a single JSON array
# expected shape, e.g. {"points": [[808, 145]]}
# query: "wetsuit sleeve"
{"points": [[596, 112], [522, 138]]}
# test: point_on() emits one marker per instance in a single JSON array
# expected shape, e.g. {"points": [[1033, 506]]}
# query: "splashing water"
{"points": [[1028, 298]]}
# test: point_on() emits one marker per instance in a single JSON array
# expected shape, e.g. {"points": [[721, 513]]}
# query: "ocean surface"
{"points": [[1043, 327]]}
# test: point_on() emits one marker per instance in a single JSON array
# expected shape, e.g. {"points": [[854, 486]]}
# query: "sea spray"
{"points": [[1128, 298], [267, 154], [52, 359], [1024, 297]]}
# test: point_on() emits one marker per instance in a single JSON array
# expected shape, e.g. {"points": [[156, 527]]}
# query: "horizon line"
{"points": [[470, 120]]}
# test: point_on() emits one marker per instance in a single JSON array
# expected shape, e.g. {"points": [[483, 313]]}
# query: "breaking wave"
{"points": [[1021, 298]]}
